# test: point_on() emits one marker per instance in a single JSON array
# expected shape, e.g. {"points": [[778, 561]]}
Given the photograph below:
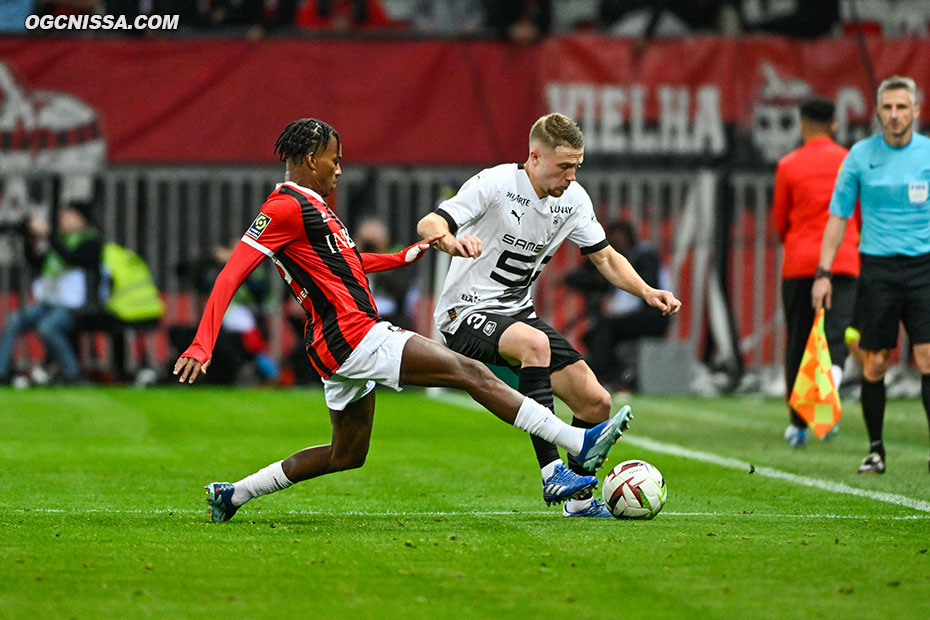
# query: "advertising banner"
{"points": [[440, 101]]}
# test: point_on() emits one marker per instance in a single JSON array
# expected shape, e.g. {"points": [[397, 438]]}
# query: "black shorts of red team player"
{"points": [[478, 337], [799, 316], [893, 289]]}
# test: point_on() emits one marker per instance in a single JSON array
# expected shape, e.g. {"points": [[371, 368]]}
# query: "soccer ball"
{"points": [[634, 490]]}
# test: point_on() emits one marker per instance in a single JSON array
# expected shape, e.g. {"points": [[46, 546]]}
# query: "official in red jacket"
{"points": [[804, 183]]}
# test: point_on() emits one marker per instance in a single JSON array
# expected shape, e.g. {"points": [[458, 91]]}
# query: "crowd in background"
{"points": [[520, 21], [524, 21], [84, 285]]}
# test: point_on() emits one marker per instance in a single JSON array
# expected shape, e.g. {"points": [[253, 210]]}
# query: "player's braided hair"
{"points": [[300, 138]]}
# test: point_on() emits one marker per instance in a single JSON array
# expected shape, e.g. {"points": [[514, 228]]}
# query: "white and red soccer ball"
{"points": [[634, 490]]}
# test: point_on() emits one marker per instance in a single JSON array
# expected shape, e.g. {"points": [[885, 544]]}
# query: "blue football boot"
{"points": [[596, 508], [219, 497], [565, 484], [599, 439], [796, 437]]}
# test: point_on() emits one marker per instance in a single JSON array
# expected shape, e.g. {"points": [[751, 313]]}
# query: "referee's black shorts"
{"points": [[893, 289], [478, 337]]}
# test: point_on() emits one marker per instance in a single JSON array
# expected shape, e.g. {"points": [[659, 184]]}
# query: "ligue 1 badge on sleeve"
{"points": [[918, 192], [258, 226]]}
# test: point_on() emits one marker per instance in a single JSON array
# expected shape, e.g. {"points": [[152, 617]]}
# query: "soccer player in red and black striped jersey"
{"points": [[349, 345]]}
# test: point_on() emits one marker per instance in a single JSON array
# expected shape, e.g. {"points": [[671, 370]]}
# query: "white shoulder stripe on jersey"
{"points": [[258, 246]]}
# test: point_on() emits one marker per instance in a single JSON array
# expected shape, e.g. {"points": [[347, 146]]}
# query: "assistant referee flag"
{"points": [[815, 397]]}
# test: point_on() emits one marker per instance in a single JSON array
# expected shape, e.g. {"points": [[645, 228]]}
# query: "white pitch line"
{"points": [[770, 472], [722, 461], [457, 513]]}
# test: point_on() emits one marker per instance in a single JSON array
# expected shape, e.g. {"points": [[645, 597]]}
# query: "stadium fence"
{"points": [[711, 226]]}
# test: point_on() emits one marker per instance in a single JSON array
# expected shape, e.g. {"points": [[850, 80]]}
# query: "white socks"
{"points": [[264, 481], [577, 505], [549, 469], [537, 420]]}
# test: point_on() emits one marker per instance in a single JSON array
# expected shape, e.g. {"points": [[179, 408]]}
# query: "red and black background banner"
{"points": [[452, 102]]}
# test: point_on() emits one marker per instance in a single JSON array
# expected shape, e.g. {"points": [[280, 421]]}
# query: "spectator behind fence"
{"points": [[448, 18], [129, 302], [67, 7], [257, 16], [342, 15], [646, 19], [246, 315], [676, 18], [803, 187], [13, 14], [67, 257], [520, 21], [889, 173], [389, 288], [790, 19], [615, 316], [242, 340]]}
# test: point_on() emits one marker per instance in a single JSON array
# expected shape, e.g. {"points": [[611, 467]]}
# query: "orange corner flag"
{"points": [[814, 396]]}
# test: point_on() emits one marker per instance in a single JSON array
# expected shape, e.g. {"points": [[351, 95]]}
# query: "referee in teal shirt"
{"points": [[889, 173]]}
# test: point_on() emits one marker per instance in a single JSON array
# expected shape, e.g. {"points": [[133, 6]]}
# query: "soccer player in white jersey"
{"points": [[501, 229]]}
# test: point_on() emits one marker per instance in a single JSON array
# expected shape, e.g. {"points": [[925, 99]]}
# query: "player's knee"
{"points": [[474, 373], [535, 348], [922, 358], [344, 462], [874, 368], [356, 461], [596, 406], [600, 405]]}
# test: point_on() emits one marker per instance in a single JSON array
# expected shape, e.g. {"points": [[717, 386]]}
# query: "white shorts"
{"points": [[376, 359]]}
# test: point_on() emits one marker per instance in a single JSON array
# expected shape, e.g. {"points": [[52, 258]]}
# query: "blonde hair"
{"points": [[896, 82], [555, 130]]}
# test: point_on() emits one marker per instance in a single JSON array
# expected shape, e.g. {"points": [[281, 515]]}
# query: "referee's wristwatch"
{"points": [[820, 272]]}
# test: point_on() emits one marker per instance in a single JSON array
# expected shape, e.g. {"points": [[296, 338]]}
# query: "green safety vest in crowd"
{"points": [[54, 264], [133, 294]]}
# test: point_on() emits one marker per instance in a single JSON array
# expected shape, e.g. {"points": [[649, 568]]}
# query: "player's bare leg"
{"points": [[429, 364], [348, 449], [424, 363], [577, 385], [349, 446]]}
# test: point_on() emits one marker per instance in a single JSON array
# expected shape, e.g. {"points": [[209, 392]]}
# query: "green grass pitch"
{"points": [[102, 514]]}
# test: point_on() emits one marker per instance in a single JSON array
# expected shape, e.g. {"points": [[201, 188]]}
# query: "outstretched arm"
{"points": [[372, 262], [619, 272], [434, 226], [196, 358]]}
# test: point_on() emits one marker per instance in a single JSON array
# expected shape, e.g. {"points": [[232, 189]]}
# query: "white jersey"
{"points": [[519, 233]]}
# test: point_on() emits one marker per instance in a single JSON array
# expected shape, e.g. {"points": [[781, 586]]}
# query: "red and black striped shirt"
{"points": [[317, 258]]}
